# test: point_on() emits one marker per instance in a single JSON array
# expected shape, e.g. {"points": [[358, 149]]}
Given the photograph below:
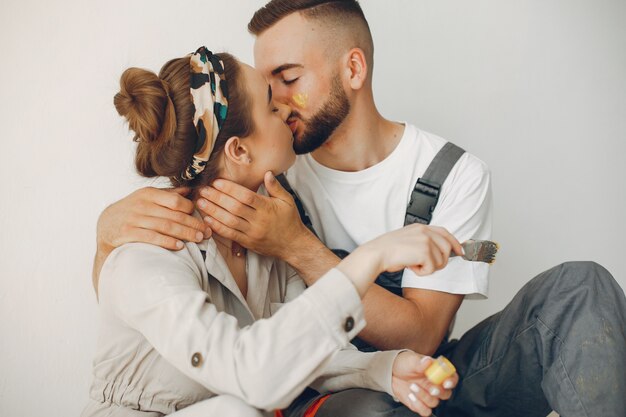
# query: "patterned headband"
{"points": [[209, 93]]}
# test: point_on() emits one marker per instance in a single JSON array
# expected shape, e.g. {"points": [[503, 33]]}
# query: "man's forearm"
{"points": [[394, 322], [310, 257]]}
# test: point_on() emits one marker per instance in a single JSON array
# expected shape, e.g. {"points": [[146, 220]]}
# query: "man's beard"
{"points": [[321, 126]]}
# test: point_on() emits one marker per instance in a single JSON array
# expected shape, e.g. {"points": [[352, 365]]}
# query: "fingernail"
{"points": [[424, 359], [414, 388], [202, 203], [218, 184], [199, 236], [434, 392], [395, 399], [448, 384], [179, 244], [208, 220], [412, 397]]}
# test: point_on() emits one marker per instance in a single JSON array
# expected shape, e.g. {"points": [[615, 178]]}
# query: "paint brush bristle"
{"points": [[480, 251]]}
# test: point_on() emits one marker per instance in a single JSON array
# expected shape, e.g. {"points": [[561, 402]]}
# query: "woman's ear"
{"points": [[237, 152]]}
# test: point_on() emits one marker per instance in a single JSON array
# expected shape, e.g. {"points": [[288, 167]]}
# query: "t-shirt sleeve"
{"points": [[464, 209]]}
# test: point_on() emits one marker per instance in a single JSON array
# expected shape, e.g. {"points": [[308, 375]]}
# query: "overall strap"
{"points": [[427, 188], [301, 210]]}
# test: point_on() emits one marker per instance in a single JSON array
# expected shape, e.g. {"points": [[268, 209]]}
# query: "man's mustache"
{"points": [[294, 115]]}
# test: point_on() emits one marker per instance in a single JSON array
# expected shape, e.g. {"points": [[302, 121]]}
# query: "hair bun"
{"points": [[144, 101]]}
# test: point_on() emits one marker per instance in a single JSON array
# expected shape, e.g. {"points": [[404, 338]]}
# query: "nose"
{"points": [[284, 110], [280, 91]]}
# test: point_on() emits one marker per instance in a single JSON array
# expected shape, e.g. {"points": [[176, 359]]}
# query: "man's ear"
{"points": [[356, 67], [237, 152]]}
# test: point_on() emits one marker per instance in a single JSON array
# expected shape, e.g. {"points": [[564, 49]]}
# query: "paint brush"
{"points": [[479, 251]]}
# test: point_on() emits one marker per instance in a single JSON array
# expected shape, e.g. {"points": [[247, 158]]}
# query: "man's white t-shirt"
{"points": [[348, 209]]}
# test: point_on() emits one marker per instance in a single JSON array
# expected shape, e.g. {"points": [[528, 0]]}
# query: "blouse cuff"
{"points": [[380, 370], [339, 305]]}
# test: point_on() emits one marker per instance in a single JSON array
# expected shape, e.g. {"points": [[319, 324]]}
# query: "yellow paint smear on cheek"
{"points": [[301, 99]]}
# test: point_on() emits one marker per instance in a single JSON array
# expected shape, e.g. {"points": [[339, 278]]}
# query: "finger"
{"points": [[179, 217], [424, 363], [451, 382], [441, 248], [239, 193], [424, 246], [448, 385], [454, 243], [227, 202], [227, 232], [228, 219], [445, 394], [424, 395], [169, 228], [425, 268], [415, 404], [171, 200], [439, 259], [274, 188], [184, 191], [409, 399], [434, 391], [208, 232], [153, 238]]}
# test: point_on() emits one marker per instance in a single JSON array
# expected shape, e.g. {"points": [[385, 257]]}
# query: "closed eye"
{"points": [[289, 82]]}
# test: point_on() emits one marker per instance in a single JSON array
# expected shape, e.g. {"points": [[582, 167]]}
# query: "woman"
{"points": [[211, 328]]}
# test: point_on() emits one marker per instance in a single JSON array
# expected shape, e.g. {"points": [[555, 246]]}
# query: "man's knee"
{"points": [[590, 268], [584, 292], [588, 275], [568, 277]]}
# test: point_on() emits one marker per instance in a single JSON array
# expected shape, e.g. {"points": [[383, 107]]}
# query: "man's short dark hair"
{"points": [[275, 10]]}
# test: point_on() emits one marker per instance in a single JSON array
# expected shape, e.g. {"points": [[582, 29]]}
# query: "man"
{"points": [[558, 345]]}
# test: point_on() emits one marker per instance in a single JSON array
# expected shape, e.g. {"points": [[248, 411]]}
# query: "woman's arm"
{"points": [[350, 368], [158, 293]]}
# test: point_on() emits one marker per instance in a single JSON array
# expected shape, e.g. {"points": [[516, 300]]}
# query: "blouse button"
{"points": [[349, 325], [196, 360]]}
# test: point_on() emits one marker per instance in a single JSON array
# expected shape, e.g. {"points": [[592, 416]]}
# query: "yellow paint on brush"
{"points": [[301, 99]]}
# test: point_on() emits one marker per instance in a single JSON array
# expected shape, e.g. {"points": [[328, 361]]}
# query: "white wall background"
{"points": [[535, 88]]}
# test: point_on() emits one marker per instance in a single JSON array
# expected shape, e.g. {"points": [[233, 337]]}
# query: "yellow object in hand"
{"points": [[439, 370]]}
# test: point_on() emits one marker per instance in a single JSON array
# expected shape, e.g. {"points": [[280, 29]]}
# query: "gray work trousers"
{"points": [[559, 345]]}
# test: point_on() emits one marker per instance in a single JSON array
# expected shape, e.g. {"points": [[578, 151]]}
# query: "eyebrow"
{"points": [[269, 94], [285, 67]]}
